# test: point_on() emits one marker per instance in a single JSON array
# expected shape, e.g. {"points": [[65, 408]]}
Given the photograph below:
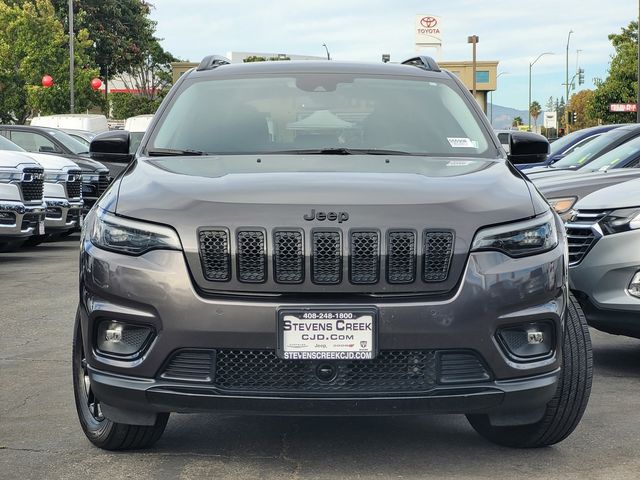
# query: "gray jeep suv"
{"points": [[324, 238]]}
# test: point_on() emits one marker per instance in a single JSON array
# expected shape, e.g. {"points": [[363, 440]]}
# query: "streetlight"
{"points": [[474, 39], [530, 66], [327, 49], [491, 93], [71, 59], [566, 84]]}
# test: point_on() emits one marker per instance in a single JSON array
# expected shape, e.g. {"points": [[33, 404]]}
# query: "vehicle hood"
{"points": [[582, 184], [89, 165], [11, 159], [622, 195], [548, 172], [52, 162], [177, 188]]}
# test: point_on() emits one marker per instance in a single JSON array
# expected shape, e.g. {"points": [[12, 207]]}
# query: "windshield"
{"points": [[293, 114], [69, 142], [613, 158], [6, 144], [561, 143], [584, 155]]}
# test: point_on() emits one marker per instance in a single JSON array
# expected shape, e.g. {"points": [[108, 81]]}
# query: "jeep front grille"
{"points": [[33, 188], [253, 255], [583, 232]]}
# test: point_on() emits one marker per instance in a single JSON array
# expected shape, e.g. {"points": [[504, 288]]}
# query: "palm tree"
{"points": [[534, 110], [517, 121]]}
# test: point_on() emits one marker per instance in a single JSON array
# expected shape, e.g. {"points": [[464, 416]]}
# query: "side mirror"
{"points": [[112, 146], [527, 147]]}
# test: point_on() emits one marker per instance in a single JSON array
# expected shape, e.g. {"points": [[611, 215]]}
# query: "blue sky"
{"points": [[512, 32]]}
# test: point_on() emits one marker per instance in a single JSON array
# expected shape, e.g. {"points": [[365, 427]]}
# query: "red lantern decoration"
{"points": [[96, 83], [47, 81]]}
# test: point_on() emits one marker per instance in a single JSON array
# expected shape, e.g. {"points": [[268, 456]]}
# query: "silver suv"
{"points": [[604, 258], [325, 238]]}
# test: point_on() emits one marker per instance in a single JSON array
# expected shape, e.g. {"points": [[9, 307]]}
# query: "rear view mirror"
{"points": [[111, 146], [527, 147]]}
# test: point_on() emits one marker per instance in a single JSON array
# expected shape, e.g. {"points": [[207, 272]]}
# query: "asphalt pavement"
{"points": [[40, 436]]}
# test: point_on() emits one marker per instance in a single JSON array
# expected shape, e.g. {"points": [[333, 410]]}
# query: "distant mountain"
{"points": [[503, 116]]}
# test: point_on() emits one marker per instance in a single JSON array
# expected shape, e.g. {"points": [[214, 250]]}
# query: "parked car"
{"points": [[616, 166], [589, 152], [604, 256], [21, 199], [82, 136], [95, 176], [324, 244], [61, 191], [89, 122], [137, 126]]}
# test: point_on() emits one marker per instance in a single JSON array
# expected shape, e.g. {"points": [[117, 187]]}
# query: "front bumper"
{"points": [[156, 290], [62, 214], [27, 219], [601, 280]]}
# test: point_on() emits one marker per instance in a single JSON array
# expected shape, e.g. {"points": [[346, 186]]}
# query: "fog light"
{"points": [[634, 286], [528, 340], [119, 338]]}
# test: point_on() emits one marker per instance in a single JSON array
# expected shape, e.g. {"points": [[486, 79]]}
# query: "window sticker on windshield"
{"points": [[460, 142], [459, 163]]}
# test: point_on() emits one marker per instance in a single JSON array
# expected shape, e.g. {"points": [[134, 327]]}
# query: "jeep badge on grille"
{"points": [[329, 216]]}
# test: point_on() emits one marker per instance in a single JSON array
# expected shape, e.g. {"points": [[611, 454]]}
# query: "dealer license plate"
{"points": [[327, 334], [41, 227]]}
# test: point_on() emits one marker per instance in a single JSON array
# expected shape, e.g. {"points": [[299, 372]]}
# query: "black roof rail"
{"points": [[212, 61], [424, 62]]}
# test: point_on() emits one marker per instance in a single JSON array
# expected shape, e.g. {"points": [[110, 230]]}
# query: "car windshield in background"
{"points": [[6, 144], [321, 113], [68, 141], [616, 156], [584, 155], [561, 143]]}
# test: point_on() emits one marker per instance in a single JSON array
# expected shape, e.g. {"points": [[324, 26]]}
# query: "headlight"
{"points": [[131, 237], [562, 204], [519, 239], [621, 220], [54, 176], [7, 176], [89, 178]]}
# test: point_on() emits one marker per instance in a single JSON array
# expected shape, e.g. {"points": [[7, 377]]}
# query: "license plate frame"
{"points": [[323, 349]]}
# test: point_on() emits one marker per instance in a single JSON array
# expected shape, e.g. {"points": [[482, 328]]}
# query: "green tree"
{"points": [[551, 105], [257, 58], [534, 110], [32, 44], [580, 103], [620, 85], [517, 121]]}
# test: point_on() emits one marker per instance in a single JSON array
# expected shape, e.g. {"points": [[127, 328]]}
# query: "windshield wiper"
{"points": [[170, 152], [343, 151]]}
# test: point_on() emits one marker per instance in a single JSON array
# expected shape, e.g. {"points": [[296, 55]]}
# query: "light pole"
{"points": [[474, 39], [530, 67], [327, 49], [71, 60], [491, 100], [566, 84]]}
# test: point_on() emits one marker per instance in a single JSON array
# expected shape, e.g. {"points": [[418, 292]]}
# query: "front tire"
{"points": [[564, 411], [101, 431]]}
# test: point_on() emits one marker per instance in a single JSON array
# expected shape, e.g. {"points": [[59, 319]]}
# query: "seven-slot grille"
{"points": [[582, 233], [285, 249], [33, 188], [74, 187]]}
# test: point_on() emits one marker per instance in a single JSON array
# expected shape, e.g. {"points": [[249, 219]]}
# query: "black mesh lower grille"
{"points": [[288, 257], [327, 258], [401, 257], [365, 255], [215, 255], [261, 371], [438, 248], [461, 368], [34, 187], [252, 260]]}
